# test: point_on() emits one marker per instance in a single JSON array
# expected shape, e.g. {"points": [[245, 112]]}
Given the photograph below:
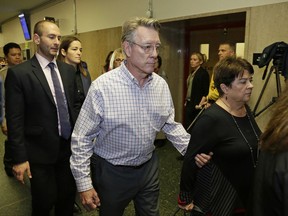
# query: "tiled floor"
{"points": [[15, 198]]}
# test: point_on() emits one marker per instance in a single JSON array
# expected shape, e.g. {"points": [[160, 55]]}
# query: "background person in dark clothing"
{"points": [[70, 51], [13, 56], [197, 86]]}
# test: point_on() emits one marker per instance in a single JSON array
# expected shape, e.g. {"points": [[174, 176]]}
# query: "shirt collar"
{"points": [[126, 73], [43, 61]]}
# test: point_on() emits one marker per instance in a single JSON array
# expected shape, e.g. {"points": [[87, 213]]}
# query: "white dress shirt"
{"points": [[119, 121]]}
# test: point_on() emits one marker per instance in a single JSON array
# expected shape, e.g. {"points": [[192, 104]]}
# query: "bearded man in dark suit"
{"points": [[39, 145]]}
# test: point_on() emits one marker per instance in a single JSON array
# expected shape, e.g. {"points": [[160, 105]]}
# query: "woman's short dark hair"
{"points": [[228, 69]]}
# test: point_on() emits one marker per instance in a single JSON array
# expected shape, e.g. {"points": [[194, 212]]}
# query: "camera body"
{"points": [[279, 53]]}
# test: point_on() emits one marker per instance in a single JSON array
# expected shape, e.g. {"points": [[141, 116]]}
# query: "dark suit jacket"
{"points": [[32, 114], [200, 86]]}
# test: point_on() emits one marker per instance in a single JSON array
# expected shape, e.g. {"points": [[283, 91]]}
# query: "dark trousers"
{"points": [[118, 185], [53, 186]]}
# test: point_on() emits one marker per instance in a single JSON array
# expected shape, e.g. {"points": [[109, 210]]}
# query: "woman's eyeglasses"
{"points": [[119, 60]]}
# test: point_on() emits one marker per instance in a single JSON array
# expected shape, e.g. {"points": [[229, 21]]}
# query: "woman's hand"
{"points": [[202, 159], [188, 207]]}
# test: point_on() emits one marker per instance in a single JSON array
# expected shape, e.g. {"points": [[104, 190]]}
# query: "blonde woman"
{"points": [[116, 58]]}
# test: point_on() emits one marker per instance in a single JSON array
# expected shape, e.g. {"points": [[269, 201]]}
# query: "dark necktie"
{"points": [[61, 105]]}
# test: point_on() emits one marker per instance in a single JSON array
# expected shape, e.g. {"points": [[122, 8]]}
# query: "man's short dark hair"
{"points": [[9, 46], [231, 44]]}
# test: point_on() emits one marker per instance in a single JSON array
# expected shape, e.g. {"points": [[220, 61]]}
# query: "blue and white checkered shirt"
{"points": [[119, 121]]}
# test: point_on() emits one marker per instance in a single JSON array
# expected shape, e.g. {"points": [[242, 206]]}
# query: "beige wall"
{"points": [[90, 15], [96, 45], [265, 25]]}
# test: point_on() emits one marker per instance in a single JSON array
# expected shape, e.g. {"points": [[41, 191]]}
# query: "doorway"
{"points": [[182, 37]]}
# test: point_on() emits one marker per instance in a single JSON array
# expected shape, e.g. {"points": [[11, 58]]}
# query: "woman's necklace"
{"points": [[254, 160]]}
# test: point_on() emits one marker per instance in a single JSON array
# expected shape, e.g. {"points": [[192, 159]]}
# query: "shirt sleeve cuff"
{"points": [[84, 184]]}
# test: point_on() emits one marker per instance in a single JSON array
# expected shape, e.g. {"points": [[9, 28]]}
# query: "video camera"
{"points": [[279, 53]]}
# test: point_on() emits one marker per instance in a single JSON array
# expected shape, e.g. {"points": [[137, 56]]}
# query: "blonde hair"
{"points": [[116, 52], [200, 56]]}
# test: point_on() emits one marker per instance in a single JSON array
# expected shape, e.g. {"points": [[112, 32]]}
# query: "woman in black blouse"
{"points": [[197, 86], [228, 129], [70, 51]]}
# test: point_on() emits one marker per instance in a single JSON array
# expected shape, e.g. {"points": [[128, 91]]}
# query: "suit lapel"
{"points": [[37, 70]]}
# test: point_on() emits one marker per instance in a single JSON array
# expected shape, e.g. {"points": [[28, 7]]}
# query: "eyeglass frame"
{"points": [[119, 59], [148, 48]]}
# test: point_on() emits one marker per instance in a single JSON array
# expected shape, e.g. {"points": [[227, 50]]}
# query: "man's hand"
{"points": [[202, 159], [89, 199], [4, 129], [188, 207], [20, 169]]}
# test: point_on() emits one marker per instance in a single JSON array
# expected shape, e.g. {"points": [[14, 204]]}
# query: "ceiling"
{"points": [[12, 8]]}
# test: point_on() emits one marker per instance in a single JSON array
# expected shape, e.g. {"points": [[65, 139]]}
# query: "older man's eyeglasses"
{"points": [[149, 48]]}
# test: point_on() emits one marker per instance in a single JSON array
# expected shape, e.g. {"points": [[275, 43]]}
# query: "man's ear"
{"points": [[36, 39], [126, 48]]}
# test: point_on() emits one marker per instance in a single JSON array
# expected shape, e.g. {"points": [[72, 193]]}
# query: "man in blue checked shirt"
{"points": [[117, 125]]}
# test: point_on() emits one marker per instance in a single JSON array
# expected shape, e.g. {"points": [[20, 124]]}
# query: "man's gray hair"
{"points": [[130, 26]]}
